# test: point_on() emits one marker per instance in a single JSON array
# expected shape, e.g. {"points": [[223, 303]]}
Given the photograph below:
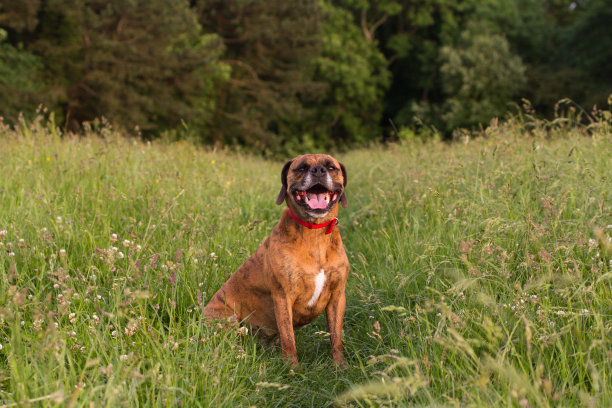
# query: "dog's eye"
{"points": [[302, 169], [331, 168]]}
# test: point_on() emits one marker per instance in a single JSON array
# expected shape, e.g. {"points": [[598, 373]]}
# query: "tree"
{"points": [[137, 62], [269, 45], [18, 84], [479, 77], [354, 70]]}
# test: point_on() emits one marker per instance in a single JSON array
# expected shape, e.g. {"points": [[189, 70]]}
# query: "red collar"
{"points": [[330, 224]]}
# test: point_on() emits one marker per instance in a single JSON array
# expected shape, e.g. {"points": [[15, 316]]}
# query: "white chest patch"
{"points": [[319, 283]]}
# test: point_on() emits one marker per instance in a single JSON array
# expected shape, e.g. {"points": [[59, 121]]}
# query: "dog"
{"points": [[301, 269]]}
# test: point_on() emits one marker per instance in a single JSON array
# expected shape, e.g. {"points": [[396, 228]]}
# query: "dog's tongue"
{"points": [[317, 201]]}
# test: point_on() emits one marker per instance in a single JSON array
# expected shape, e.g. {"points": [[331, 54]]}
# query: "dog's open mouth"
{"points": [[316, 197]]}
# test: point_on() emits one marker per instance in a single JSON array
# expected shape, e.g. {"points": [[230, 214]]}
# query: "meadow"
{"points": [[481, 272]]}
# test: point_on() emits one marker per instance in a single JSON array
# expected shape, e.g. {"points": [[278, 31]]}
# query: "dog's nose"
{"points": [[318, 170]]}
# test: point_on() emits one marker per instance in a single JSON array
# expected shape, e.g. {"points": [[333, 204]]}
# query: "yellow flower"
{"points": [[212, 161], [48, 158], [157, 181]]}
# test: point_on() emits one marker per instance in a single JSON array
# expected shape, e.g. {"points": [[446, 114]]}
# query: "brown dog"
{"points": [[301, 268]]}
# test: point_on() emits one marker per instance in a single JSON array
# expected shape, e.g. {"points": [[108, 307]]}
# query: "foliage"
{"points": [[282, 77], [141, 63], [18, 86], [480, 272], [479, 77], [269, 45], [354, 70]]}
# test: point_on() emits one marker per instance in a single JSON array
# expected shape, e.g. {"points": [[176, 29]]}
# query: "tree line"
{"points": [[280, 76]]}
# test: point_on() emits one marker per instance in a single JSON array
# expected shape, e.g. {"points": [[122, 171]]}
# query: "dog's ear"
{"points": [[283, 191], [343, 199]]}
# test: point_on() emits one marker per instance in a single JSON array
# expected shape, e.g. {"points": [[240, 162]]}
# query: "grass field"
{"points": [[481, 273]]}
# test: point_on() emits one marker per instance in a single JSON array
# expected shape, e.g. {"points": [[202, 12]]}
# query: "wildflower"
{"points": [[95, 318], [124, 357], [11, 254], [58, 220], [561, 313], [21, 243], [126, 243], [113, 237], [114, 333], [2, 234], [72, 317], [62, 253], [37, 324], [138, 247], [1, 347], [120, 255]]}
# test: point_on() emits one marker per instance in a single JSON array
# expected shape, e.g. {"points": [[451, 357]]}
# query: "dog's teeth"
{"points": [[306, 198]]}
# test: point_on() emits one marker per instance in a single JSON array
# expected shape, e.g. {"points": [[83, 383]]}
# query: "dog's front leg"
{"points": [[284, 322], [334, 312]]}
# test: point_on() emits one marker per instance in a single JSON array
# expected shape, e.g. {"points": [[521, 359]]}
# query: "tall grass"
{"points": [[480, 272]]}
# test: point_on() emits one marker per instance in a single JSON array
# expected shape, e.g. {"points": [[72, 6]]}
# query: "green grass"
{"points": [[480, 273]]}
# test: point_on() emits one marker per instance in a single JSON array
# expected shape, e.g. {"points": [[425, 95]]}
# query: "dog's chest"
{"points": [[316, 290], [319, 283]]}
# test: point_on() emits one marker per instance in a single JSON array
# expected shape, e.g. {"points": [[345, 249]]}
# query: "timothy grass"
{"points": [[480, 273]]}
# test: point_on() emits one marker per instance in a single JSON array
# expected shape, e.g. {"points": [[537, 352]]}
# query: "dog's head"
{"points": [[313, 184]]}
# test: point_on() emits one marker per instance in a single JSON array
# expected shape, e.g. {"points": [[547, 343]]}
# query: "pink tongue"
{"points": [[316, 201]]}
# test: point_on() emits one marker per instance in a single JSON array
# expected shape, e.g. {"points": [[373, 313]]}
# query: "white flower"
{"points": [[11, 254], [113, 237], [3, 234], [62, 253], [58, 220], [1, 347], [120, 255], [126, 243]]}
